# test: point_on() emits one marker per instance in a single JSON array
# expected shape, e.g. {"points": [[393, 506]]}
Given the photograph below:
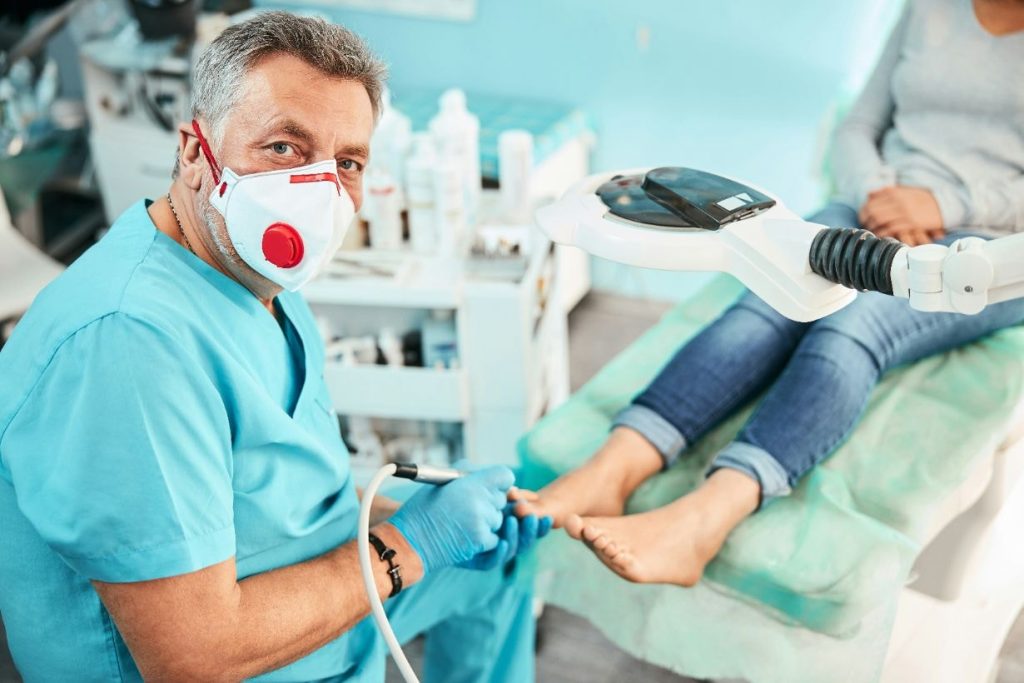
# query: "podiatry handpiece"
{"points": [[425, 474]]}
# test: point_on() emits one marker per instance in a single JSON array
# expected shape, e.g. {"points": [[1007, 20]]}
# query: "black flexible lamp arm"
{"points": [[855, 258]]}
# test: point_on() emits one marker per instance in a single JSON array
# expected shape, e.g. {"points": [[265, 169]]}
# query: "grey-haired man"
{"points": [[175, 499]]}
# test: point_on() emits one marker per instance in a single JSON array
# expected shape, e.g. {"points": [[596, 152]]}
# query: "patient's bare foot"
{"points": [[600, 486], [674, 543]]}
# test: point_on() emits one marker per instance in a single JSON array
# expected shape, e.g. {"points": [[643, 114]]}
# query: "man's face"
{"points": [[289, 114]]}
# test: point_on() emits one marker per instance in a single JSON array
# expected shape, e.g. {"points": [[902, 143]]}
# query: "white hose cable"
{"points": [[369, 580]]}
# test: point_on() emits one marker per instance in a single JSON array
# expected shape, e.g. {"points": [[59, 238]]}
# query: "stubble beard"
{"points": [[217, 242]]}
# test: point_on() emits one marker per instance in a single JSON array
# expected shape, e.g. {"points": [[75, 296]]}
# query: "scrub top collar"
{"points": [[244, 299], [227, 286]]}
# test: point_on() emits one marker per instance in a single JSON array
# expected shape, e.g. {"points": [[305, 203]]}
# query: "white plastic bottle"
{"points": [[383, 210], [456, 133], [451, 206], [391, 141], [420, 195], [515, 167]]}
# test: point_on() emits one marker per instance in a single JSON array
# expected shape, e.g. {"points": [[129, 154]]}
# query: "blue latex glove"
{"points": [[452, 524], [516, 536]]}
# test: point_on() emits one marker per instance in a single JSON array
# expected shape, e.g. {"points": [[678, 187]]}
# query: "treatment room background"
{"points": [[748, 87]]}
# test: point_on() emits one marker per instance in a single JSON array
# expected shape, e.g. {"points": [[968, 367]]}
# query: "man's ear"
{"points": [[191, 163]]}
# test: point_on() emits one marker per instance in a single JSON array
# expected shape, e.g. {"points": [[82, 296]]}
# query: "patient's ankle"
{"points": [[628, 457], [733, 494]]}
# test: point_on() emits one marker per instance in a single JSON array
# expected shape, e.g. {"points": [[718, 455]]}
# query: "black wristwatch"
{"points": [[387, 554]]}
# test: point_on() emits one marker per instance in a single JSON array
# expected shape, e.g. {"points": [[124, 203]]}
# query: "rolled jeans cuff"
{"points": [[756, 463], [665, 438]]}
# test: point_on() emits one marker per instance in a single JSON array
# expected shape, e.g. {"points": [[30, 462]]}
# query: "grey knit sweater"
{"points": [[944, 110]]}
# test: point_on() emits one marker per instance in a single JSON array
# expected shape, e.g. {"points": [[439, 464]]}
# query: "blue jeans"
{"points": [[819, 375]]}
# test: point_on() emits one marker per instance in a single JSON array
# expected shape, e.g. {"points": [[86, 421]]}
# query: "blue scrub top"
{"points": [[155, 419]]}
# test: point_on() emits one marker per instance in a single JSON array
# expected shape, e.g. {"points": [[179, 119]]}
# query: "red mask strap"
{"points": [[207, 152]]}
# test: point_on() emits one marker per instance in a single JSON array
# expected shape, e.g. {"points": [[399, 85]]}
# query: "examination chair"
{"points": [[897, 559]]}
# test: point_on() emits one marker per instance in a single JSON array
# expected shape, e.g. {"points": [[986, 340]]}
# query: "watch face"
{"points": [[625, 197]]}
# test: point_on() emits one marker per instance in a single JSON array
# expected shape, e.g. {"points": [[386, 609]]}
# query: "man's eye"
{"points": [[281, 147], [349, 165]]}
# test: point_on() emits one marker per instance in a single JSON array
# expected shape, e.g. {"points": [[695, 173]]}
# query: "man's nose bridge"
{"points": [[316, 178]]}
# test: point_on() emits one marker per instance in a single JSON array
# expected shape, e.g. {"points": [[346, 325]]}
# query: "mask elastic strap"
{"points": [[207, 152]]}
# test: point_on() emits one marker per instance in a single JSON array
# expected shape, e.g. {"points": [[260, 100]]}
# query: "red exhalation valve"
{"points": [[282, 245]]}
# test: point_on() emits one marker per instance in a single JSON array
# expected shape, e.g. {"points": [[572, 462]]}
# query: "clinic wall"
{"points": [[744, 87]]}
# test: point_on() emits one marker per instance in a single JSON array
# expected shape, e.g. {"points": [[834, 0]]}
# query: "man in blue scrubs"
{"points": [[175, 499]]}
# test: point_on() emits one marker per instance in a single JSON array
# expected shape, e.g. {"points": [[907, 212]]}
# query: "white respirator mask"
{"points": [[286, 225]]}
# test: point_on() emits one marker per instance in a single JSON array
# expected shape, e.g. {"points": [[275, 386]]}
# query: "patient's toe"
{"points": [[628, 567], [524, 508], [574, 526], [517, 494], [611, 551], [623, 562], [591, 533], [600, 542]]}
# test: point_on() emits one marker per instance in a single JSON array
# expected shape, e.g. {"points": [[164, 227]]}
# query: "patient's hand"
{"points": [[909, 214]]}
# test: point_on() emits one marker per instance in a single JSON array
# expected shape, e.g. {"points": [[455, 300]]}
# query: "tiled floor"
{"points": [[571, 650]]}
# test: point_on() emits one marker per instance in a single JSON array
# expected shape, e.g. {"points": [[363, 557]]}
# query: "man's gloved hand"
{"points": [[452, 524], [517, 536]]}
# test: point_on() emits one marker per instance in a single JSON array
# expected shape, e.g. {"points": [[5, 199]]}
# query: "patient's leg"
{"points": [[674, 543], [819, 398], [720, 369], [810, 410]]}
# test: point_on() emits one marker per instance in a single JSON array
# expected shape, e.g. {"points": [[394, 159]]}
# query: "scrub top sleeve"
{"points": [[121, 455]]}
